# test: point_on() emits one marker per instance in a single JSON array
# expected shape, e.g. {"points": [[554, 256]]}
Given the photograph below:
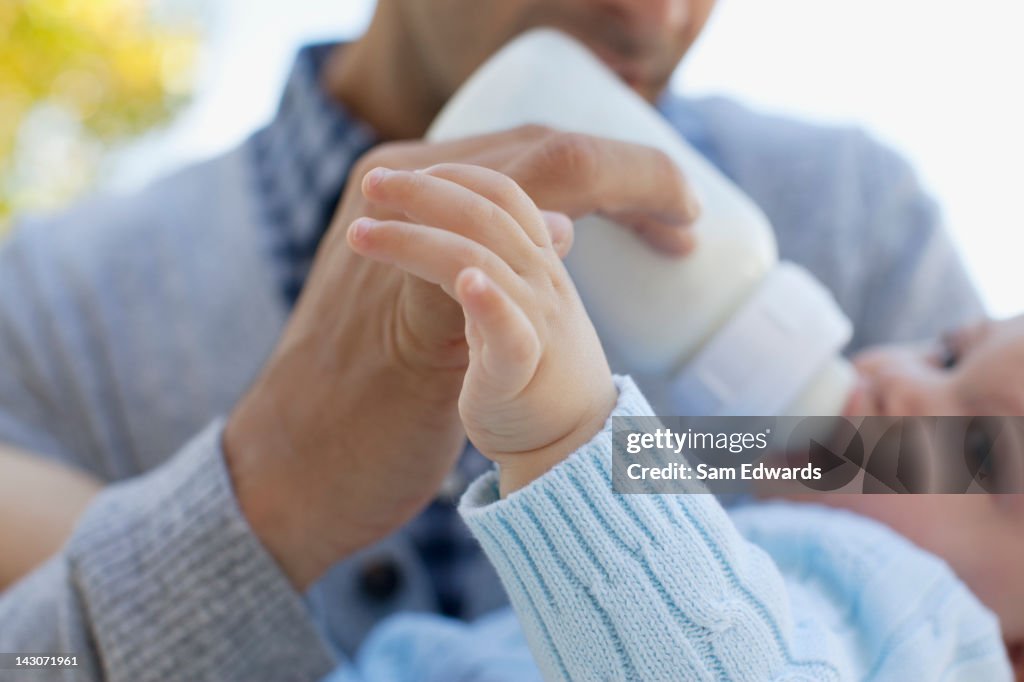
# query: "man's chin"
{"points": [[634, 73]]}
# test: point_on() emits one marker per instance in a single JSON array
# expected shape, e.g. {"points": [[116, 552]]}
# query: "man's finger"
{"points": [[580, 174], [413, 154], [668, 239]]}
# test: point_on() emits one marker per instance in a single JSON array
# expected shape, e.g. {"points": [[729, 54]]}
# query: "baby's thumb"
{"points": [[506, 342]]}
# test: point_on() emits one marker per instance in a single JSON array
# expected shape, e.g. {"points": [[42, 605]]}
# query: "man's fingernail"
{"points": [[361, 226], [374, 177]]}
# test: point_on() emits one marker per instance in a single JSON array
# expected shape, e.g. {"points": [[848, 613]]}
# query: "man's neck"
{"points": [[382, 80]]}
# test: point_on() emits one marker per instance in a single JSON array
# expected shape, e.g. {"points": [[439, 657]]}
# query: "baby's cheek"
{"points": [[904, 514], [994, 576]]}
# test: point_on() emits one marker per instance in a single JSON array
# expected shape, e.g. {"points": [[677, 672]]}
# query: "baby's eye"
{"points": [[979, 451], [948, 357], [948, 354]]}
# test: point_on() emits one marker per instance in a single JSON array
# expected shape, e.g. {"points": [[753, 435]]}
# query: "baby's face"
{"points": [[980, 536], [976, 370]]}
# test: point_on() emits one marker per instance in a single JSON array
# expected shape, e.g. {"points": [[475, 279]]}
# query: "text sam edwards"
{"points": [[705, 472]]}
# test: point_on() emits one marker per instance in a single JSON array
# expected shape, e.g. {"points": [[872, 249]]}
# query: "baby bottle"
{"points": [[726, 330]]}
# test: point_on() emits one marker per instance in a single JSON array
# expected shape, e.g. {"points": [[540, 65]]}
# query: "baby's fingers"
{"points": [[561, 229], [509, 349], [430, 253]]}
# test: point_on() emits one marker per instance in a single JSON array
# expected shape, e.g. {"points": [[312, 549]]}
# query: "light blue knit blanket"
{"points": [[660, 587]]}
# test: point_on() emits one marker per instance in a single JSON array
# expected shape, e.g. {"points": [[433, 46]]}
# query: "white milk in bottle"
{"points": [[726, 330]]}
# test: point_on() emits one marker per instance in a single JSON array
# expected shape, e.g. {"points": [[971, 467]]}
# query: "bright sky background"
{"points": [[940, 80]]}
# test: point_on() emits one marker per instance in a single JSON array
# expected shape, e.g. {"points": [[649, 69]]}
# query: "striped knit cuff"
{"points": [[177, 587]]}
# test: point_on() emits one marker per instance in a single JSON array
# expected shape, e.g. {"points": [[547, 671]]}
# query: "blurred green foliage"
{"points": [[76, 77]]}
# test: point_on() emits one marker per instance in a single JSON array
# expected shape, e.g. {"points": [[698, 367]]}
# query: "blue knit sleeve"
{"points": [[663, 587]]}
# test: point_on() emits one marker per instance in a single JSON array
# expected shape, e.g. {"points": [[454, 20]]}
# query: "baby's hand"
{"points": [[538, 385]]}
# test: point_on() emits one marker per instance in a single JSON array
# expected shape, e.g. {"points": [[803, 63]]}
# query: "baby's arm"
{"points": [[666, 587], [614, 586], [40, 501]]}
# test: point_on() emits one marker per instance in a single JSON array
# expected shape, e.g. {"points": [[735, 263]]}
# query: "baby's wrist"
{"points": [[517, 470]]}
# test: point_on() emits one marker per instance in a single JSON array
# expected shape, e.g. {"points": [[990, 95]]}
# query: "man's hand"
{"points": [[353, 423], [40, 503], [538, 385]]}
